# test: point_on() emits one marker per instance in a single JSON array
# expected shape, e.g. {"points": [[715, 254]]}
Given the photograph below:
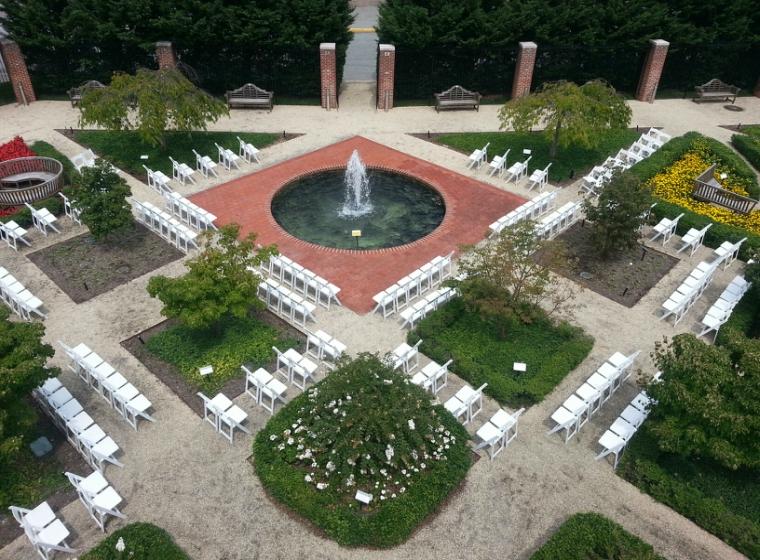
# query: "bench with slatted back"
{"points": [[717, 90], [76, 93], [456, 97], [250, 96]]}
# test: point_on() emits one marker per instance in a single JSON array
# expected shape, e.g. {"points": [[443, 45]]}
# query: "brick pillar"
{"points": [[652, 71], [17, 71], [329, 76], [526, 60], [756, 91], [386, 76], [165, 55]]}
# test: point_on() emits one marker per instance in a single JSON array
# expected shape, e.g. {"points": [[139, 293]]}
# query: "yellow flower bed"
{"points": [[675, 184]]}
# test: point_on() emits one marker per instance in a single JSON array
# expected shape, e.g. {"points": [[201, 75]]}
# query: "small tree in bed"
{"points": [[102, 197]]}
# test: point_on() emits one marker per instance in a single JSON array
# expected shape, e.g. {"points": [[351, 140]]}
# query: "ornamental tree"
{"points": [[219, 281], [617, 216], [571, 114], [150, 102], [22, 368], [102, 197], [708, 401]]}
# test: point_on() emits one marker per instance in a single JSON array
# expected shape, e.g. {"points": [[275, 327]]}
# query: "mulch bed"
{"points": [[173, 378], [66, 459], [83, 268], [625, 278]]}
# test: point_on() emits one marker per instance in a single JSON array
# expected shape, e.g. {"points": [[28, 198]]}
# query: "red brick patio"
{"points": [[470, 207]]}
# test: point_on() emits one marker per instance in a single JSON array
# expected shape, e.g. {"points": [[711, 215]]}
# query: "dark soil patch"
{"points": [[173, 378], [63, 458], [625, 278], [83, 268]]}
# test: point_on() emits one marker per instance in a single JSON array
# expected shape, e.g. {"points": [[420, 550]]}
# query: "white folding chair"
{"points": [[539, 178], [205, 165], [182, 172], [248, 151], [498, 432], [666, 228], [693, 239], [478, 157], [498, 164]]}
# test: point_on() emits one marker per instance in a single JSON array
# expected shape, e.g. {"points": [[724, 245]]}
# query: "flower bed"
{"points": [[16, 148], [137, 541], [365, 427]]}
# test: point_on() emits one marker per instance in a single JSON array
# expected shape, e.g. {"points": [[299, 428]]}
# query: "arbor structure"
{"points": [[571, 114], [102, 197], [618, 214], [219, 281], [150, 102], [708, 402]]}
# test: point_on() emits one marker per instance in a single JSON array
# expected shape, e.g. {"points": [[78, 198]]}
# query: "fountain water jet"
{"points": [[357, 201]]}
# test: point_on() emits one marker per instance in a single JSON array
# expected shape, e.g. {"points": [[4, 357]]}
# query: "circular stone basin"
{"points": [[403, 210]]}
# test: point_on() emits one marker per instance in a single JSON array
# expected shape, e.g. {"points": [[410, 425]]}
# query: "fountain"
{"points": [[357, 201]]}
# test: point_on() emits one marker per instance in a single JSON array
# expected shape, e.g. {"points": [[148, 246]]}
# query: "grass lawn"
{"points": [[124, 148], [29, 480], [238, 341], [572, 162], [589, 535], [143, 541], [481, 355]]}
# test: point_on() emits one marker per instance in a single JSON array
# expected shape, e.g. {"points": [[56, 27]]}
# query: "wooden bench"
{"points": [[456, 97], [76, 93], [715, 90], [707, 189], [250, 96]]}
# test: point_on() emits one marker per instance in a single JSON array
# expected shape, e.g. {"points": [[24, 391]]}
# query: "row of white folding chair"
{"points": [[165, 225], [433, 377], [98, 496], [70, 209], [21, 301], [264, 388], [286, 303], [312, 286], [530, 210], [43, 219], [593, 182], [405, 356], [517, 170], [103, 378], [614, 440], [588, 399], [693, 239], [85, 159], [224, 415], [496, 434], [689, 291], [83, 433], [559, 220], [721, 310], [324, 347], [189, 212], [12, 233], [665, 228], [478, 157], [413, 285], [158, 181], [728, 252], [45, 531], [182, 172], [466, 404], [292, 366], [429, 303]]}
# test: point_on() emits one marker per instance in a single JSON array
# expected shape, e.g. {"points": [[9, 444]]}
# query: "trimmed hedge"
{"points": [[718, 233], [481, 356], [745, 317], [590, 535], [749, 147], [142, 541], [390, 522]]}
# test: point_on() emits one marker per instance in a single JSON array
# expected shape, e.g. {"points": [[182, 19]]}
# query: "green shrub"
{"points": [[234, 342], [375, 409], [589, 535], [482, 355], [142, 541], [749, 147], [745, 318]]}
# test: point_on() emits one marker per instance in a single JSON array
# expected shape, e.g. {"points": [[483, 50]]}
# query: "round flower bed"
{"points": [[365, 427]]}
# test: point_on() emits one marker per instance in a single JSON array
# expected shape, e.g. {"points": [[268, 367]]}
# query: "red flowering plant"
{"points": [[16, 148]]}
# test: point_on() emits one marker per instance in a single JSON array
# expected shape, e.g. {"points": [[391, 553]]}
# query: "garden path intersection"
{"points": [[183, 477]]}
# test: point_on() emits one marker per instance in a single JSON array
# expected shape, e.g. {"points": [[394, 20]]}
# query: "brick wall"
{"points": [[17, 71], [386, 76], [526, 60], [652, 70], [328, 76], [165, 56]]}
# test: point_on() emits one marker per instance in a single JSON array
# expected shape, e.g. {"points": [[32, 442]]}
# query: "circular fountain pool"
{"points": [[399, 210]]}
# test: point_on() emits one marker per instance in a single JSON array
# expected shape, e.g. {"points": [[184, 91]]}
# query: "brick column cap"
{"points": [[387, 47], [528, 45], [659, 42], [327, 46], [163, 43]]}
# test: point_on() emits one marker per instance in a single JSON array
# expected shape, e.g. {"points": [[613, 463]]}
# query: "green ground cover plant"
{"points": [[369, 428], [747, 143], [589, 535], [142, 541], [571, 162], [483, 354]]}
